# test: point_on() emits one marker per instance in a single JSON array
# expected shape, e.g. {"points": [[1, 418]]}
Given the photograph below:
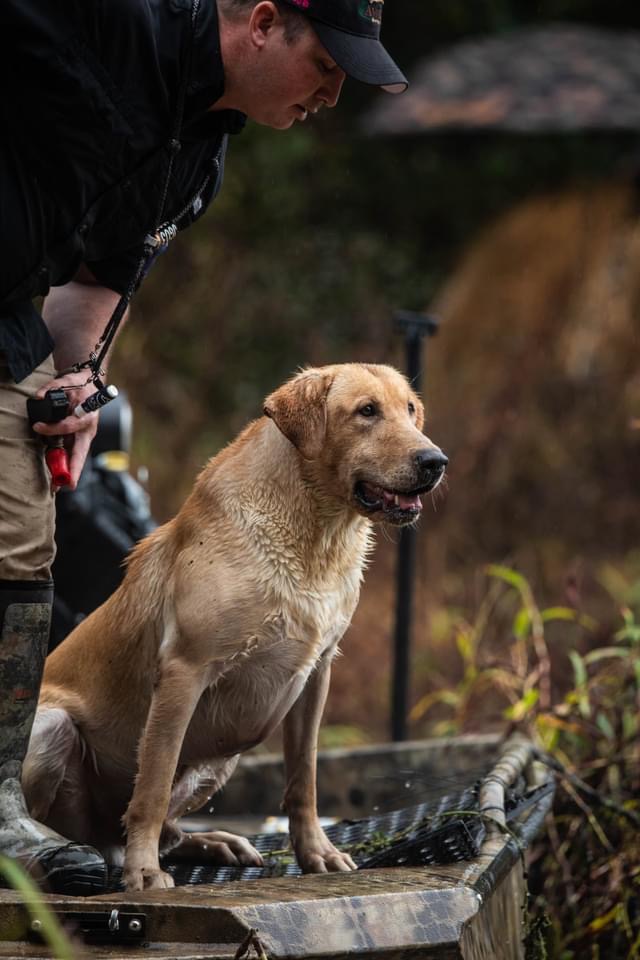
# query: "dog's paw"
{"points": [[222, 847], [146, 878], [323, 857]]}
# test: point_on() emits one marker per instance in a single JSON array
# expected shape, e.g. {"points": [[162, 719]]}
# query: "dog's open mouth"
{"points": [[397, 506]]}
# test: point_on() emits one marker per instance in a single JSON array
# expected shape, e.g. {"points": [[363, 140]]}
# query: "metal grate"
{"points": [[438, 831]]}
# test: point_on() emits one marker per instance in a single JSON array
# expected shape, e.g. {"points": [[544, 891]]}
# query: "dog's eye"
{"points": [[369, 410], [412, 408]]}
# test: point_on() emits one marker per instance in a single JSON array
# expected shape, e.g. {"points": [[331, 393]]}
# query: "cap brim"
{"points": [[363, 58]]}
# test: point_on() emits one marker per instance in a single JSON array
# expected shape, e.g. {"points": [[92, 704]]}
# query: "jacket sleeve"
{"points": [[117, 273]]}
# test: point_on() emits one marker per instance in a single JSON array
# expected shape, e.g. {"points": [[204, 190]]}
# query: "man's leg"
{"points": [[27, 516]]}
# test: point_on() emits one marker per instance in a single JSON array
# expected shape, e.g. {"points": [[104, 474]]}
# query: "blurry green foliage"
{"points": [[581, 707]]}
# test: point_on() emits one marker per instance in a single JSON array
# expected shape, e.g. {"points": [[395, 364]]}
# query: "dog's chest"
{"points": [[255, 687], [300, 627]]}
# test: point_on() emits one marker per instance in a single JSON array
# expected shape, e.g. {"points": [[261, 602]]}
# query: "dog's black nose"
{"points": [[430, 460]]}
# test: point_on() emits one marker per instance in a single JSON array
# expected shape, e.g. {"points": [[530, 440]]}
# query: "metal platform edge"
{"points": [[463, 911]]}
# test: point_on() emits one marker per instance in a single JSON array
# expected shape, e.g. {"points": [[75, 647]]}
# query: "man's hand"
{"points": [[76, 316], [78, 431]]}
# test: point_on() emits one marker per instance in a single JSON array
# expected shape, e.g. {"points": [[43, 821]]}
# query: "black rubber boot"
{"points": [[56, 864]]}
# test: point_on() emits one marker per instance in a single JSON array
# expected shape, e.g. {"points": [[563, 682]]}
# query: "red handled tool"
{"points": [[58, 462], [52, 408]]}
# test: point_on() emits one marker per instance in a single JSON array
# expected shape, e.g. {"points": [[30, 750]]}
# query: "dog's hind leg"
{"points": [[217, 846], [53, 778], [191, 791]]}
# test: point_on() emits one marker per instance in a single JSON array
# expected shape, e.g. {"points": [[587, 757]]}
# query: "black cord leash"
{"points": [[163, 233]]}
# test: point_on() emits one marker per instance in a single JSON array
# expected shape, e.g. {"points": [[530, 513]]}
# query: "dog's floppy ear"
{"points": [[299, 410]]}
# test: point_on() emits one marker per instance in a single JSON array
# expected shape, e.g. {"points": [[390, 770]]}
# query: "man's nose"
{"points": [[332, 87]]}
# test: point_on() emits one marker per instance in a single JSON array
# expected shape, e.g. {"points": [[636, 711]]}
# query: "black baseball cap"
{"points": [[350, 31]]}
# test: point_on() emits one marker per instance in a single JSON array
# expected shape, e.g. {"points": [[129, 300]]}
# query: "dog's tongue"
{"points": [[402, 500]]}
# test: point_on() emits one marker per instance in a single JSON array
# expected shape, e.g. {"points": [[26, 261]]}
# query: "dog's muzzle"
{"points": [[398, 505]]}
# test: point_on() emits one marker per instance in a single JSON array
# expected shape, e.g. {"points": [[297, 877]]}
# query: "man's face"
{"points": [[295, 78]]}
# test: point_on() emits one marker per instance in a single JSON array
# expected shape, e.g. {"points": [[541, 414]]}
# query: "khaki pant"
{"points": [[27, 506]]}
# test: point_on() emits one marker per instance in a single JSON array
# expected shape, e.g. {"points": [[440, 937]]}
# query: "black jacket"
{"points": [[90, 94]]}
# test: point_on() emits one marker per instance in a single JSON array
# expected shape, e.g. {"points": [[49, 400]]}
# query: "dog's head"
{"points": [[360, 427]]}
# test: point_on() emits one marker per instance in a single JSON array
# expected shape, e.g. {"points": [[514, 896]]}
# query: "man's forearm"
{"points": [[76, 315]]}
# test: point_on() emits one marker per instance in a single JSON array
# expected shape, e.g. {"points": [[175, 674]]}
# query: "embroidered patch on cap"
{"points": [[371, 10]]}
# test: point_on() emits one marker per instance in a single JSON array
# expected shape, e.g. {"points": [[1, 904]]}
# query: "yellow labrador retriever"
{"points": [[226, 624]]}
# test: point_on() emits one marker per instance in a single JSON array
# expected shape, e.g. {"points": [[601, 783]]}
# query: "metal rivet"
{"points": [[36, 926], [135, 926]]}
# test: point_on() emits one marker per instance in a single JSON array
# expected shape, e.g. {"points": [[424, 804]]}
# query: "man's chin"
{"points": [[276, 123]]}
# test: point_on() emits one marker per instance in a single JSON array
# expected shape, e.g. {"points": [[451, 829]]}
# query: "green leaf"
{"points": [[464, 643], [605, 919], [629, 725], [448, 697], [631, 633], [53, 933], [519, 710], [579, 668], [580, 673], [521, 623], [559, 613], [568, 613], [509, 576], [604, 724], [604, 653]]}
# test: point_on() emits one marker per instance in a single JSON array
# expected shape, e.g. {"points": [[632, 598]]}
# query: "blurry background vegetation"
{"points": [[528, 249]]}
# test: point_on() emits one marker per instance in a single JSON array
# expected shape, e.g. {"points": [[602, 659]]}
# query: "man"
{"points": [[118, 116]]}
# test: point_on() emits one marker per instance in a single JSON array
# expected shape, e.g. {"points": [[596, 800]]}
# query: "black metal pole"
{"points": [[415, 327]]}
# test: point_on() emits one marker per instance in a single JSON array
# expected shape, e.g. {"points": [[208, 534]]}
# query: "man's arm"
{"points": [[76, 315]]}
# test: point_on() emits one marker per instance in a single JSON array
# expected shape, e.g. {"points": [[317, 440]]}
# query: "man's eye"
{"points": [[325, 68], [368, 410]]}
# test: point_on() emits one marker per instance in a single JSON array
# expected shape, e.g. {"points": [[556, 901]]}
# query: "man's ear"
{"points": [[261, 20], [299, 410]]}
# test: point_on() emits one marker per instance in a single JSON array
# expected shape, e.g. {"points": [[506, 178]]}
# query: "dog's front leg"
{"points": [[314, 851], [179, 687]]}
